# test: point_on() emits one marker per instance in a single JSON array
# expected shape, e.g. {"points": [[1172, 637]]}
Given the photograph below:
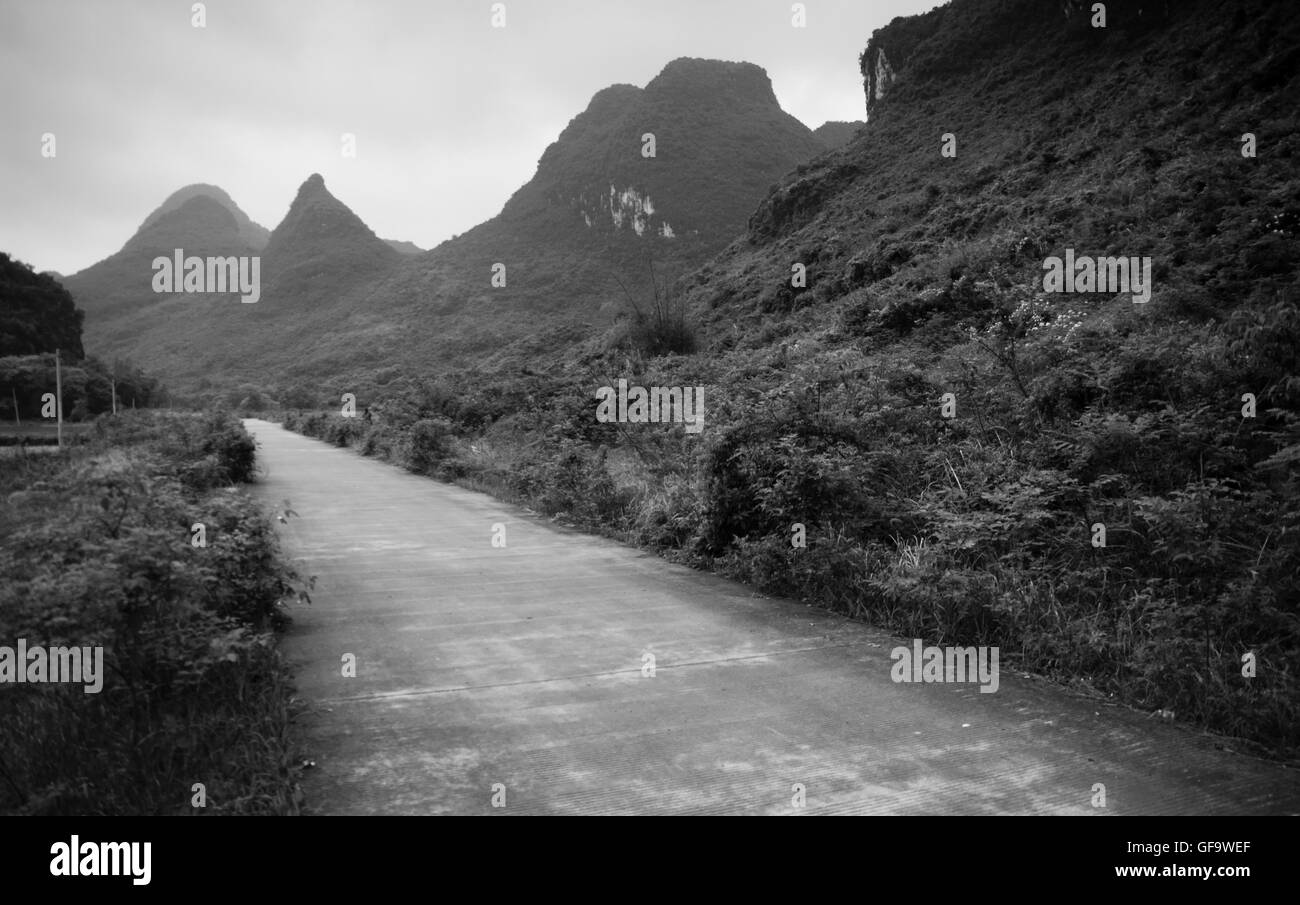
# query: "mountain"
{"points": [[318, 253], [406, 248], [252, 234], [1071, 146], [200, 219], [834, 133], [720, 141], [320, 246], [606, 205]]}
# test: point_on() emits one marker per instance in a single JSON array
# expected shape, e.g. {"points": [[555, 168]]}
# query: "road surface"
{"points": [[519, 674]]}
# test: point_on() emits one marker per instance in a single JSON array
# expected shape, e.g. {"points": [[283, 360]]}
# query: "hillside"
{"points": [[925, 436], [833, 134]]}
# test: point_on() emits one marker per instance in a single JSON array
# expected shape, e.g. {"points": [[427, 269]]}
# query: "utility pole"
{"points": [[17, 420], [58, 394], [113, 383]]}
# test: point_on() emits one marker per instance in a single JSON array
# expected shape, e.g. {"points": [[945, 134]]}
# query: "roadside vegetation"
{"points": [[98, 548], [973, 530]]}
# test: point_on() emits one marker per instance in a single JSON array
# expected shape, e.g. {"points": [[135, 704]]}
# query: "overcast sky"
{"points": [[450, 114]]}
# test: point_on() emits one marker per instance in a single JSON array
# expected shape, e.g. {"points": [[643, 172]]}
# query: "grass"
{"points": [[96, 547]]}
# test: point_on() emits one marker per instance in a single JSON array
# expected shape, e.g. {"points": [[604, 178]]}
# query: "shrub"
{"points": [[194, 686], [427, 445]]}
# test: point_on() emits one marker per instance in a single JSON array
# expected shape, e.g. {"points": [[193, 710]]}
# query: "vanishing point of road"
{"points": [[521, 675]]}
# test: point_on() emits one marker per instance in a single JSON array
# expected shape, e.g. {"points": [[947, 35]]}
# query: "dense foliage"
{"points": [[98, 548], [88, 388], [36, 313]]}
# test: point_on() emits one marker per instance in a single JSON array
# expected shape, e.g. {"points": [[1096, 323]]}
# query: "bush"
{"points": [[98, 553], [428, 445]]}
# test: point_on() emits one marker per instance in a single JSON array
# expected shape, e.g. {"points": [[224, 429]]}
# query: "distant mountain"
{"points": [[121, 284], [668, 174], [406, 248], [834, 133], [321, 245], [253, 234], [317, 254]]}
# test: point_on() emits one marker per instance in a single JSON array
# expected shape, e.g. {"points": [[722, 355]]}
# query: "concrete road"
{"points": [[520, 673]]}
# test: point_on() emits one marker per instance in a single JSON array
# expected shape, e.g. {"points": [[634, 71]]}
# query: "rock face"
{"points": [[929, 51]]}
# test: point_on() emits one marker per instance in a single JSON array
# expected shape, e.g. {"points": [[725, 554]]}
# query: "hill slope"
{"points": [[254, 235], [318, 254], [833, 134]]}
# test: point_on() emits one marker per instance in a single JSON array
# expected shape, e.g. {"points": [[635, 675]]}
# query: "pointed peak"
{"points": [[319, 224], [313, 187]]}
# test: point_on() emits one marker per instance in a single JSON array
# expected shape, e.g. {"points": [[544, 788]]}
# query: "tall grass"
{"points": [[97, 550]]}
